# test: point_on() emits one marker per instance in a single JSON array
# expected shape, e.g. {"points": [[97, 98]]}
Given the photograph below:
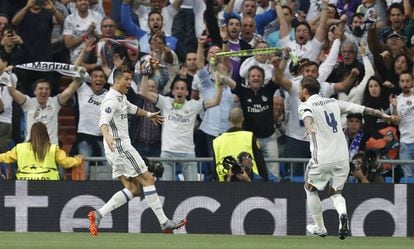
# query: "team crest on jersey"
{"points": [[108, 110], [249, 100], [264, 98], [409, 103]]}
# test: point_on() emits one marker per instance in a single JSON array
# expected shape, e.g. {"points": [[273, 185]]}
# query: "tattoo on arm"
{"points": [[373, 112]]}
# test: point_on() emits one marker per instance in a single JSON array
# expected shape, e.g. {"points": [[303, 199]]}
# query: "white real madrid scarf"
{"points": [[62, 68]]}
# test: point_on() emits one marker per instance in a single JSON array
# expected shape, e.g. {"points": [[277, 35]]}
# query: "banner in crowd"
{"points": [[217, 208]]}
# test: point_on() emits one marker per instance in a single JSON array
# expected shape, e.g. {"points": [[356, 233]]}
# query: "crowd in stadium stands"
{"points": [[360, 51]]}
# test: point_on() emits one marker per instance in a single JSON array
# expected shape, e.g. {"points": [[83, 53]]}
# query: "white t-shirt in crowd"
{"points": [[77, 27], [6, 78], [178, 127], [309, 50], [295, 128], [47, 115], [405, 108], [89, 110]]}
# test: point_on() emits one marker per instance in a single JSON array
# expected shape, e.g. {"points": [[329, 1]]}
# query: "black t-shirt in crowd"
{"points": [[36, 32], [257, 109]]}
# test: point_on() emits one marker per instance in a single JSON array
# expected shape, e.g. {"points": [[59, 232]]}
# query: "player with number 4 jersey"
{"points": [[330, 158]]}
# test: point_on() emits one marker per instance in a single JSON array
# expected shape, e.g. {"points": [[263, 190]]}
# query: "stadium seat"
{"points": [[388, 179], [407, 179]]}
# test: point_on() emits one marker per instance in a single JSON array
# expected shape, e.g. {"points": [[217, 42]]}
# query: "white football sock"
{"points": [[339, 203], [118, 199], [315, 208], [153, 201]]}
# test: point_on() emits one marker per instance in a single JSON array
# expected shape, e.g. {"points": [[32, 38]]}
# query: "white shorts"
{"points": [[336, 174], [126, 161]]}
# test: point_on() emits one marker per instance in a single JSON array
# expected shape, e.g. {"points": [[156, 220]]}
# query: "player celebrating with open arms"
{"points": [[329, 149], [127, 164]]}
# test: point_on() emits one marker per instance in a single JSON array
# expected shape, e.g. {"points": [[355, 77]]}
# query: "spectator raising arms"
{"points": [[43, 108], [177, 131], [80, 25]]}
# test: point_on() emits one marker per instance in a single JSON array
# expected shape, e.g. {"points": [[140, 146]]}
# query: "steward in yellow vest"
{"points": [[235, 141], [40, 163]]}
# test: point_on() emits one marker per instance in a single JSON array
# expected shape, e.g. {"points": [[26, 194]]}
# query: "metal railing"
{"points": [[100, 170]]}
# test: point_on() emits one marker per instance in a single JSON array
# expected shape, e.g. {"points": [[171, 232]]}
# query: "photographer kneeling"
{"points": [[241, 144], [365, 168], [239, 170]]}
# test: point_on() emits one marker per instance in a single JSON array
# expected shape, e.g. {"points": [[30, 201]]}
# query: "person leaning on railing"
{"points": [[37, 159]]}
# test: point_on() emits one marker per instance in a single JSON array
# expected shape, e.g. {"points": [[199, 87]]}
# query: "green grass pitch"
{"points": [[33, 240]]}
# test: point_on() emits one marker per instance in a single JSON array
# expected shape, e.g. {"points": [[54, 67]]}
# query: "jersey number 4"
{"points": [[331, 121]]}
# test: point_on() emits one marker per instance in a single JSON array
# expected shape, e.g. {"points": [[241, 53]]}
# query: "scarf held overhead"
{"points": [[62, 68]]}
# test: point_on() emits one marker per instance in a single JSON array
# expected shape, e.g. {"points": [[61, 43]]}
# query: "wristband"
{"points": [[148, 115]]}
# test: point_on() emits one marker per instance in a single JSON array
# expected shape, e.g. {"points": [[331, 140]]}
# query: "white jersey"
{"points": [[114, 113], [295, 127], [47, 115], [89, 110], [77, 26], [328, 145], [309, 50], [178, 128], [6, 115], [405, 108]]}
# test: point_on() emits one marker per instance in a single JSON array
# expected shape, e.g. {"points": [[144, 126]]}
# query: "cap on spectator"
{"points": [[354, 115], [393, 34]]}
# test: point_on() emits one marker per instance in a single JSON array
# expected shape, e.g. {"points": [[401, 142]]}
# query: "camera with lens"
{"points": [[371, 159], [244, 162], [155, 168], [229, 162]]}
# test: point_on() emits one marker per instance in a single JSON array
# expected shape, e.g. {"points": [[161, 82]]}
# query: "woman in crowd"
{"points": [[37, 159], [382, 136], [400, 63]]}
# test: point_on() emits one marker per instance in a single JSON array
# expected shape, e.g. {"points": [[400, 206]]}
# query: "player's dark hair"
{"points": [[311, 85], [119, 72]]}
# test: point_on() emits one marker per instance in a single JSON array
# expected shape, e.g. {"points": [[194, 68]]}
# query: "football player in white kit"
{"points": [[127, 164], [330, 158]]}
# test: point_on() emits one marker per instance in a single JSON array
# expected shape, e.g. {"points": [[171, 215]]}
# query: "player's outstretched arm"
{"points": [[381, 115], [155, 117]]}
